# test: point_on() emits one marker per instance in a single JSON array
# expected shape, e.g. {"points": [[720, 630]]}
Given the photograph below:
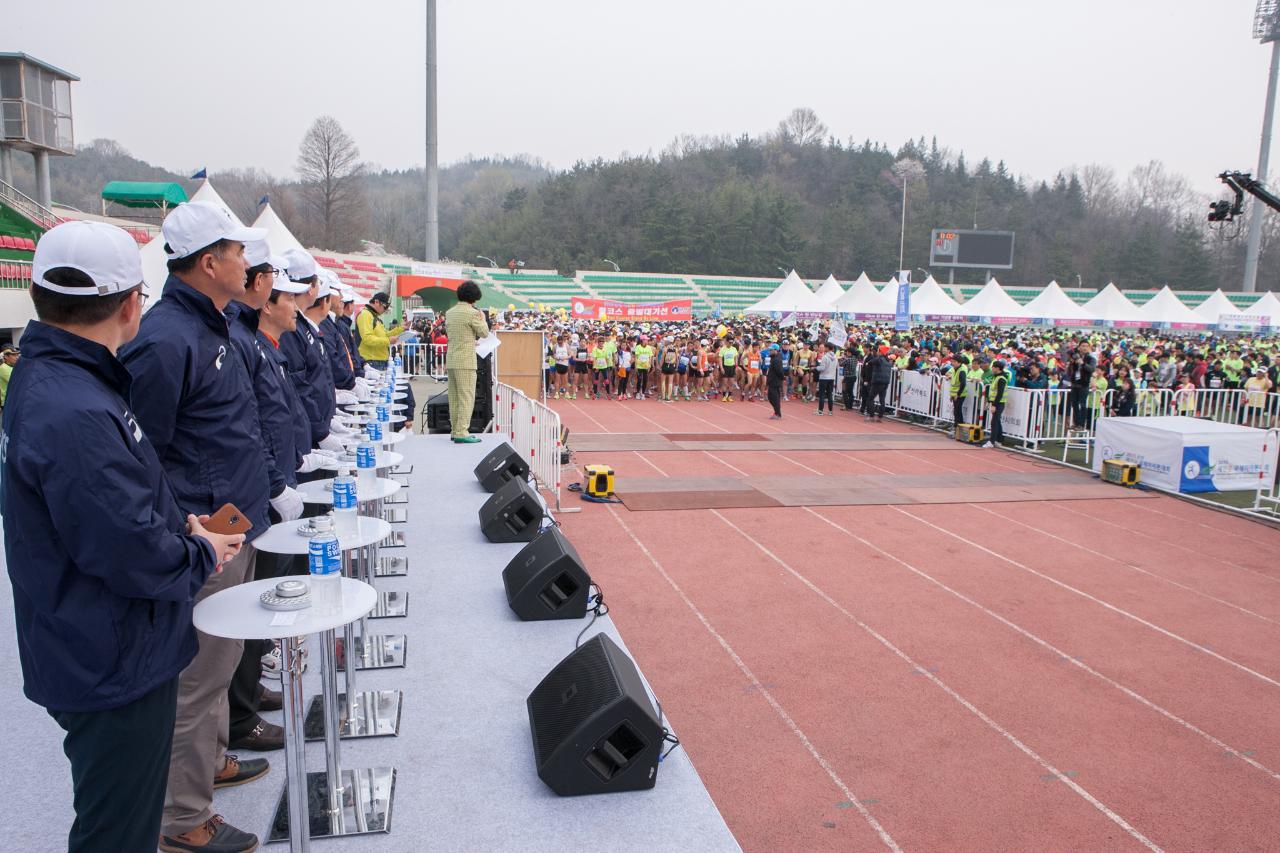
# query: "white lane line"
{"points": [[726, 464], [1132, 694], [862, 461], [795, 462], [647, 461], [965, 703], [587, 415], [1130, 531], [759, 688], [1118, 562], [1109, 606], [1149, 506]]}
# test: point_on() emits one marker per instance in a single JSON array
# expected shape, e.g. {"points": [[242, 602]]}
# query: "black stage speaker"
{"points": [[594, 730], [437, 407], [512, 514], [501, 465], [546, 579]]}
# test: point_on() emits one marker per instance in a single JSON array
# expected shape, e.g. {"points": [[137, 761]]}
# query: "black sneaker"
{"points": [[215, 835], [237, 772]]}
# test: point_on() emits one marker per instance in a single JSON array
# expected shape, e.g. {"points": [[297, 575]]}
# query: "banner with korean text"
{"points": [[586, 308]]}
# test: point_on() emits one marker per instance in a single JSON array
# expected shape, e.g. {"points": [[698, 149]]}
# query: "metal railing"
{"points": [[533, 430], [15, 275], [420, 359], [27, 206]]}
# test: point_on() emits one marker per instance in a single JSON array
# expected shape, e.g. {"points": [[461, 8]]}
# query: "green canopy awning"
{"points": [[441, 299], [144, 193]]}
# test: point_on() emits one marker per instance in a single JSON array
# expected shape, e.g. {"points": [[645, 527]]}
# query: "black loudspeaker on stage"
{"points": [[438, 406], [546, 579], [512, 514], [501, 466], [594, 729]]}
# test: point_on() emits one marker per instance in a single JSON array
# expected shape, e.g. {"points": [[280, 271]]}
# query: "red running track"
{"points": [[1084, 675]]}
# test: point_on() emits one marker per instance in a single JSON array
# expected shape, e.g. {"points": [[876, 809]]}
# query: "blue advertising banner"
{"points": [[902, 313]]}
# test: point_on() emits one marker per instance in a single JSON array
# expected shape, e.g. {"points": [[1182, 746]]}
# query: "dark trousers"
{"points": [[1079, 398], [826, 391], [642, 381], [997, 428], [846, 393], [775, 398], [244, 694], [119, 769], [878, 390], [865, 397]]}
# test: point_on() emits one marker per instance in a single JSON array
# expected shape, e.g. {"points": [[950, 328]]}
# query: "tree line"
{"points": [[748, 205]]}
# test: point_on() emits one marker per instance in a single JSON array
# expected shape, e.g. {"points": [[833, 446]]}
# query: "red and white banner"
{"points": [[586, 308]]}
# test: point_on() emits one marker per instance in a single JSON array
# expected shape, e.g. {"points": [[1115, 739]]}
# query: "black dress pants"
{"points": [[119, 771], [775, 398]]}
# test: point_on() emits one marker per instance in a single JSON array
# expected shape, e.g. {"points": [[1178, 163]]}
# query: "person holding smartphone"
{"points": [[105, 566]]}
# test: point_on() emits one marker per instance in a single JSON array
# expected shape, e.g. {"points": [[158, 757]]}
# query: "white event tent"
{"points": [[830, 291], [992, 302], [792, 296], [1114, 307], [1216, 305], [929, 299], [1268, 306], [864, 298], [1053, 304], [1166, 308], [279, 238]]}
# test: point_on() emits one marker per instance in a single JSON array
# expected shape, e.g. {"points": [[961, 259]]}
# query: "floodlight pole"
{"points": [[1258, 210], [432, 168], [902, 239]]}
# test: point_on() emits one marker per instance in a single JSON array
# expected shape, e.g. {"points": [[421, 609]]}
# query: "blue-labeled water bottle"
{"points": [[373, 429], [384, 395], [382, 413], [324, 560], [366, 466], [345, 521]]}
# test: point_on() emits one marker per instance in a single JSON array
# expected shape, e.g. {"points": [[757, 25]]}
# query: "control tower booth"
{"points": [[35, 117]]}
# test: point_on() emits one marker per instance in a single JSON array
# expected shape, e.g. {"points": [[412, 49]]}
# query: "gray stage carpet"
{"points": [[464, 757]]}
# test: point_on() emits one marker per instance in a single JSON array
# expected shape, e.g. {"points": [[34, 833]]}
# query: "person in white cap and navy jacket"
{"points": [[194, 399], [105, 564]]}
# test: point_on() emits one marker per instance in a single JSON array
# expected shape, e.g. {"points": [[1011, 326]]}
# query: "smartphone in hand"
{"points": [[228, 521]]}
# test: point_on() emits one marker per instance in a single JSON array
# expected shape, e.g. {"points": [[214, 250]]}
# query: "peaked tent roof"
{"points": [[1216, 304], [1165, 307], [930, 298], [208, 193], [1267, 306], [830, 290], [279, 238], [792, 295], [1052, 303], [863, 297], [155, 270], [992, 301], [1113, 306]]}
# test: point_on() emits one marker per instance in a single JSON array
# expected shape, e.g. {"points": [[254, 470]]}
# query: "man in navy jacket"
{"points": [[306, 353], [194, 399], [105, 566]]}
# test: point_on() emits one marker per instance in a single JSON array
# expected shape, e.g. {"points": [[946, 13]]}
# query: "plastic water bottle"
{"points": [[345, 522], [373, 429], [382, 413], [324, 559], [366, 466], [384, 395]]}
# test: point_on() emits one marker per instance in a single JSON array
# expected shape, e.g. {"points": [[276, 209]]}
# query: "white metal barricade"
{"points": [[1267, 498], [533, 430], [421, 359]]}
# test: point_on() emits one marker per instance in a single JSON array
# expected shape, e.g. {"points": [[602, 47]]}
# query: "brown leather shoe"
{"points": [[213, 836], [264, 738], [237, 772], [272, 700]]}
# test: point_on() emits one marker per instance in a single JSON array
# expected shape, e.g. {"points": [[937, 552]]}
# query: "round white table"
{"points": [[321, 491], [388, 438], [284, 538], [238, 613], [382, 459], [366, 408]]}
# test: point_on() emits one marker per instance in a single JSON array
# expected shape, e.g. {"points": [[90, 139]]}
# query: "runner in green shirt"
{"points": [[728, 368]]}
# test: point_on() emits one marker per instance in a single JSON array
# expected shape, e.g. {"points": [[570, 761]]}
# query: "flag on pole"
{"points": [[788, 321], [839, 335], [264, 200], [203, 173]]}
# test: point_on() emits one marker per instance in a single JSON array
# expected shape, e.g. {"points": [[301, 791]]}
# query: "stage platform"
{"points": [[465, 779]]}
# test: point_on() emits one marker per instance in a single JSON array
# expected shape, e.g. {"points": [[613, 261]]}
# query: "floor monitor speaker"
{"points": [[546, 579], [512, 514], [500, 466]]}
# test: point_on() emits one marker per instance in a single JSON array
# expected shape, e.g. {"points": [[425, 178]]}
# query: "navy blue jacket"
{"points": [[285, 427], [341, 365], [103, 573], [242, 322], [347, 329], [193, 397], [312, 377]]}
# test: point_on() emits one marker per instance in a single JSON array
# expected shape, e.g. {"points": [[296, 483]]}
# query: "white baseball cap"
{"points": [[103, 252], [348, 295], [327, 281], [281, 280], [257, 252], [299, 264], [195, 225]]}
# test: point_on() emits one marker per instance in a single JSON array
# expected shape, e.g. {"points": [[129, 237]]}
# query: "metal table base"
{"points": [[382, 651], [364, 807], [391, 567], [377, 714]]}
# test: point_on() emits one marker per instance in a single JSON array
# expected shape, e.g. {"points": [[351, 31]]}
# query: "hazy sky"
{"points": [[1040, 84]]}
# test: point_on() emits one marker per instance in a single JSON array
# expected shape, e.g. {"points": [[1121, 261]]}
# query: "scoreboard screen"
{"points": [[987, 250]]}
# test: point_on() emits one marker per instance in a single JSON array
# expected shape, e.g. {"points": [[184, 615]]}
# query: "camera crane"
{"points": [[1240, 183]]}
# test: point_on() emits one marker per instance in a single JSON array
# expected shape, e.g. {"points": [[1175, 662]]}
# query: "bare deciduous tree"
{"points": [[803, 127], [330, 170]]}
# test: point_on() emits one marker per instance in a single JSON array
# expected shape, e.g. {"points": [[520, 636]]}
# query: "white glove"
{"points": [[362, 390], [312, 461], [370, 373], [331, 442], [346, 398], [337, 427], [329, 454], [288, 504]]}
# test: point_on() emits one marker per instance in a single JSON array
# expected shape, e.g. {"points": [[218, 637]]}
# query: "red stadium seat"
{"points": [[30, 244], [6, 242]]}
